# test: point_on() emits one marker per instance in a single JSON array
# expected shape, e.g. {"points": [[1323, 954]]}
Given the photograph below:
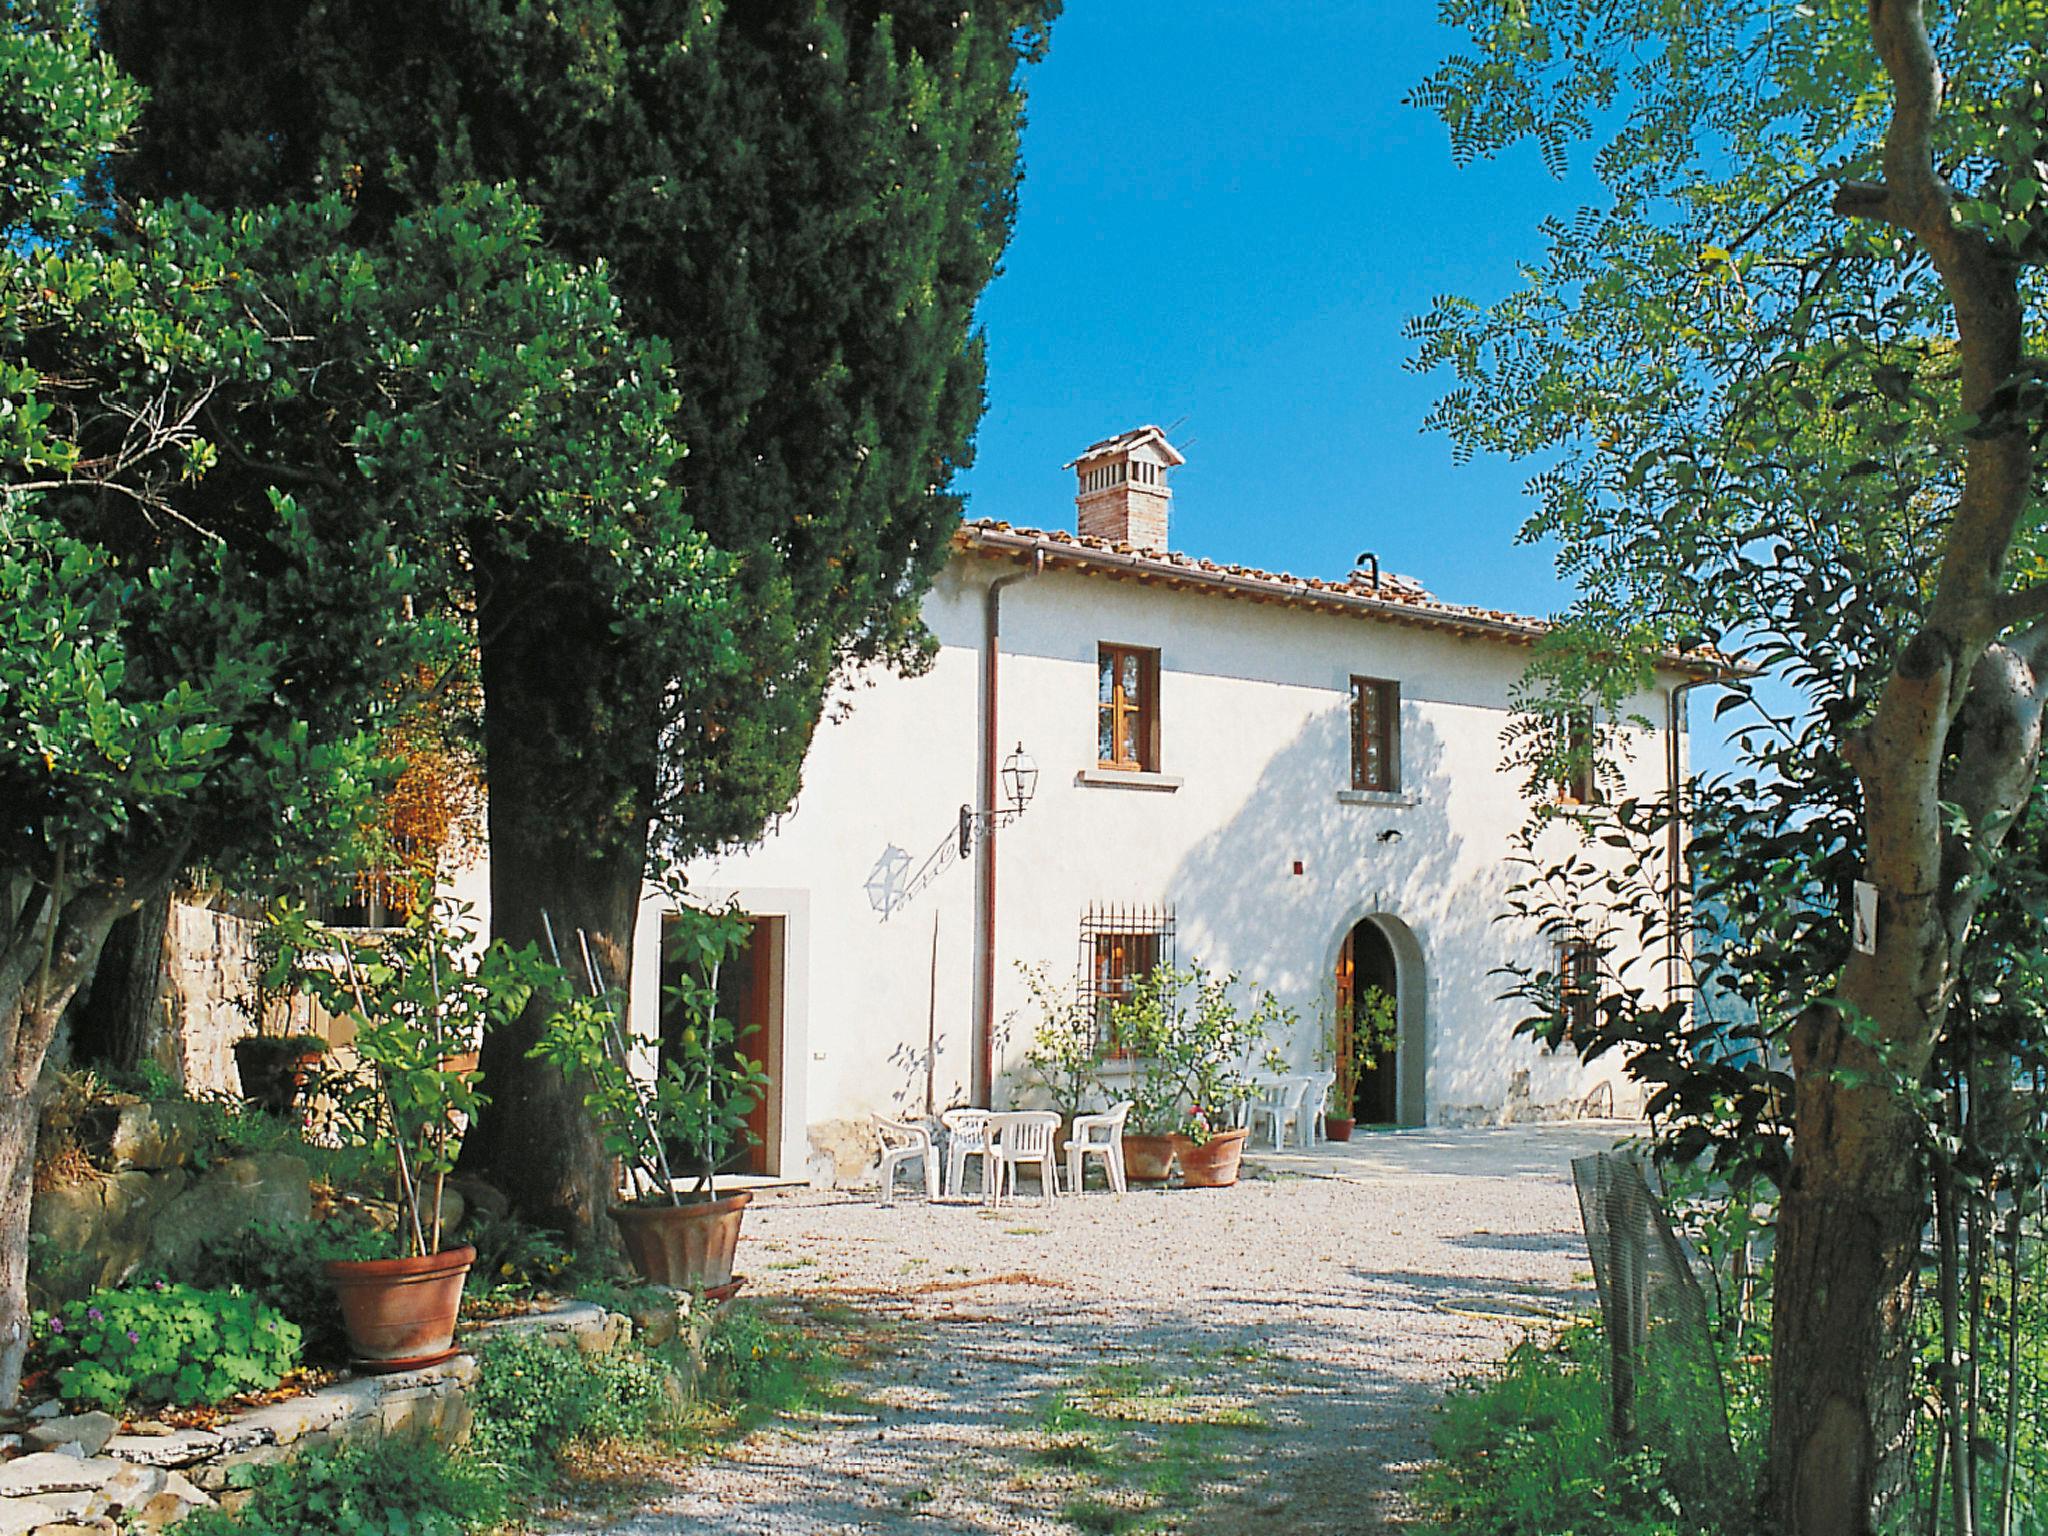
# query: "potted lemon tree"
{"points": [[420, 998], [1188, 1041], [699, 1099]]}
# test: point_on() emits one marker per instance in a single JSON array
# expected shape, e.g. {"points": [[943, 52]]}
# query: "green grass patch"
{"points": [[1526, 1452], [544, 1414], [1140, 1444]]}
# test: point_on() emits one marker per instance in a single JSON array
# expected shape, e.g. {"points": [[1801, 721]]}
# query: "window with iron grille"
{"points": [[1375, 734], [1578, 984], [1120, 946]]}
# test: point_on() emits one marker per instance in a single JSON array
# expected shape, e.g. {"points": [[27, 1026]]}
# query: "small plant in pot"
{"points": [[1375, 1033], [274, 1067], [1065, 1054], [699, 1098], [421, 998]]}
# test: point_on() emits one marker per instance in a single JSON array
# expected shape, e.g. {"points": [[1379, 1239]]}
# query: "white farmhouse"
{"points": [[1298, 780]]}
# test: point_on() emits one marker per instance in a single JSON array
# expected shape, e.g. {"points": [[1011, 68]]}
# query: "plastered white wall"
{"points": [[1254, 705]]}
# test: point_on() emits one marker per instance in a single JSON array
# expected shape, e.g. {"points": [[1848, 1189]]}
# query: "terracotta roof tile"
{"points": [[1397, 598]]}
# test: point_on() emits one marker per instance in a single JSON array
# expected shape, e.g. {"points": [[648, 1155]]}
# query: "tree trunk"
{"points": [[120, 1022], [1849, 1224], [570, 782], [17, 1182]]}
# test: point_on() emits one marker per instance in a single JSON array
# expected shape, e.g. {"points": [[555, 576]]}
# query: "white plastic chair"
{"points": [[966, 1136], [1282, 1105], [1319, 1086], [915, 1148], [1019, 1137], [1102, 1135]]}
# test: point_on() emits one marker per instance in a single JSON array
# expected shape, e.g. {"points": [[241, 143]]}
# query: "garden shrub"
{"points": [[283, 1264], [1527, 1453], [397, 1486], [516, 1258], [165, 1343], [751, 1357], [533, 1399]]}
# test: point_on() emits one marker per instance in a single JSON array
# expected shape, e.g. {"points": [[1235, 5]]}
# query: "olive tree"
{"points": [[1785, 375]]}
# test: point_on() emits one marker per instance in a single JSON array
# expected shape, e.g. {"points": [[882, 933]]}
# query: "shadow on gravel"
{"points": [[1004, 1409], [1523, 1242]]}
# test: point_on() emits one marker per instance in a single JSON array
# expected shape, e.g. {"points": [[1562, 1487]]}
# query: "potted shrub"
{"points": [[1147, 1035], [1219, 1038], [1375, 1033], [1188, 1040], [273, 1068], [421, 998], [700, 1097], [1339, 1117]]}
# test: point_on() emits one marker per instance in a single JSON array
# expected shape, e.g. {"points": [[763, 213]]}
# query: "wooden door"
{"points": [[749, 994]]}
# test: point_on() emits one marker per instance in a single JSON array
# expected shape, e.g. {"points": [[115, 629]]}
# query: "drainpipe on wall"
{"points": [[985, 895], [1675, 897]]}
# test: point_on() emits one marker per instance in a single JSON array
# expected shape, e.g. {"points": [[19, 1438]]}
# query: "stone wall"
{"points": [[85, 1473], [211, 971]]}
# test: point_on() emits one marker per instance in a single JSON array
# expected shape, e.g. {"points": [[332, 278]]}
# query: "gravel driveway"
{"points": [[1202, 1361]]}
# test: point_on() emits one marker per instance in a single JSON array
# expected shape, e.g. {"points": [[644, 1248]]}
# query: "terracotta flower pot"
{"points": [[1148, 1159], [400, 1312], [688, 1246], [1213, 1164], [1338, 1130]]}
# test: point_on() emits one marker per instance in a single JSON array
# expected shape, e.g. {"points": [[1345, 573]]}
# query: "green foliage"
{"points": [[751, 1356], [390, 1486], [1066, 1049], [533, 1400], [1527, 1453], [165, 1343], [866, 164], [420, 998], [281, 1265], [516, 1259], [707, 1085], [1191, 1046]]}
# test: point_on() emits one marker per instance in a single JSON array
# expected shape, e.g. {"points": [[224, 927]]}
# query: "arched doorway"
{"points": [[1379, 985]]}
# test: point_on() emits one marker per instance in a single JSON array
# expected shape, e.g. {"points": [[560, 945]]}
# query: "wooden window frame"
{"points": [[1121, 961], [1145, 707], [1387, 698], [1581, 784]]}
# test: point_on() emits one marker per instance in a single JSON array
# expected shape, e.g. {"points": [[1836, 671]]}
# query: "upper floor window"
{"points": [[1127, 708], [1375, 734], [1581, 782]]}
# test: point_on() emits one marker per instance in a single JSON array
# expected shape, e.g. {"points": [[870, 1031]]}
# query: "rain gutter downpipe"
{"points": [[985, 896], [1674, 735]]}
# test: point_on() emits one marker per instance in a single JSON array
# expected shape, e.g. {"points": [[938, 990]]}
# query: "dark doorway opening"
{"points": [[1366, 971], [750, 994]]}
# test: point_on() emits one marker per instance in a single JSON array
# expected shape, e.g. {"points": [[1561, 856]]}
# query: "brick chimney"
{"points": [[1120, 489]]}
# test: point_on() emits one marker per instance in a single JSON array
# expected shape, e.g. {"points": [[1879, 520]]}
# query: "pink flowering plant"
{"points": [[164, 1343]]}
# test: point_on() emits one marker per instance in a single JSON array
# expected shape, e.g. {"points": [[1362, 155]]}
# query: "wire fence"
{"points": [[1665, 1388]]}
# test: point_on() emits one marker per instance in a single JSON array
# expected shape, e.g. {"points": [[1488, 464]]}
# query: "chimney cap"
{"points": [[1124, 442]]}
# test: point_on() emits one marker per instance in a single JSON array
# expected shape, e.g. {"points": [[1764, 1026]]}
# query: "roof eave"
{"points": [[1011, 544]]}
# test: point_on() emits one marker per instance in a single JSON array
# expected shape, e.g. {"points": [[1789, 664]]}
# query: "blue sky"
{"points": [[1227, 216]]}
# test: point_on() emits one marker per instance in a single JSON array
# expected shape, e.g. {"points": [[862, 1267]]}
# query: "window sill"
{"points": [[1394, 797], [1118, 778]]}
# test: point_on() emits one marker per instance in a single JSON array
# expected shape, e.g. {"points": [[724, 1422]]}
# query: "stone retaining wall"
{"points": [[150, 1476]]}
